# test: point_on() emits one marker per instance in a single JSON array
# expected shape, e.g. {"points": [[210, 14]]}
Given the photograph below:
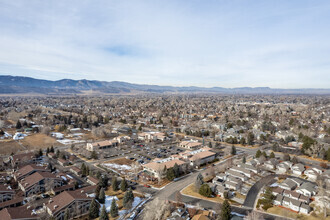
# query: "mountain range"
{"points": [[27, 85]]}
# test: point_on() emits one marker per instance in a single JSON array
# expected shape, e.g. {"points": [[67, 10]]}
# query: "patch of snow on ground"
{"points": [[117, 166], [274, 185], [108, 201]]}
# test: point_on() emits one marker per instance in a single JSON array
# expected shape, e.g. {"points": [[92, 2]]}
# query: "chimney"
{"points": [[50, 201]]}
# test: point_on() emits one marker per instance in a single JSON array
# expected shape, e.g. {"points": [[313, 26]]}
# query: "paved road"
{"points": [[255, 189]]}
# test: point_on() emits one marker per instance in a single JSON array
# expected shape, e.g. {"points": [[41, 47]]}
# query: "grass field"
{"points": [[191, 191], [9, 146], [37, 141]]}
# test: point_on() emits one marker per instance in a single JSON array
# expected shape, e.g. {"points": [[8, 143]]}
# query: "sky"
{"points": [[274, 43]]}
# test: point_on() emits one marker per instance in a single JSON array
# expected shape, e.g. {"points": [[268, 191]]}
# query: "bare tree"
{"points": [[156, 209]]}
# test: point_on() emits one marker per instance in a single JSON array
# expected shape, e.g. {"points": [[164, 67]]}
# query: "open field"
{"points": [[9, 146], [37, 141], [190, 191]]}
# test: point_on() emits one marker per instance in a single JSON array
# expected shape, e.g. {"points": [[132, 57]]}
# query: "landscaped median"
{"points": [[191, 191]]}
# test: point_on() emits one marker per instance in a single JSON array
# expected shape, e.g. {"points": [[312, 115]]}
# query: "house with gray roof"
{"points": [[298, 169]]}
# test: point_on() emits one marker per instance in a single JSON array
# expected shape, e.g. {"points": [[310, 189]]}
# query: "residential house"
{"points": [[277, 191], [24, 158], [18, 213], [236, 174], [278, 200], [307, 189], [38, 182], [311, 174], [305, 208], [156, 167], [295, 204], [288, 184], [63, 162], [243, 171], [191, 145], [15, 202], [232, 185], [75, 201], [298, 169], [101, 145], [271, 163], [282, 168], [93, 181], [29, 170], [76, 170], [6, 193]]}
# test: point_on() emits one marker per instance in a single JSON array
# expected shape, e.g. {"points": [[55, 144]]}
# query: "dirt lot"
{"points": [[121, 161], [8, 147], [37, 141]]}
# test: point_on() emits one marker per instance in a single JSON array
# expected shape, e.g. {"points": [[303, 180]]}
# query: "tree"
{"points": [[113, 209], [93, 209], [40, 153], [205, 190], [176, 170], [242, 141], [94, 155], [233, 150], [295, 160], [18, 125], [272, 155], [98, 175], [170, 175], [225, 211], [66, 214], [250, 138], [114, 184], [258, 154], [275, 146], [104, 181], [128, 199], [97, 191], [323, 165], [101, 197], [264, 154], [244, 160], [226, 194], [123, 185], [104, 214], [199, 181], [286, 157], [52, 149]]}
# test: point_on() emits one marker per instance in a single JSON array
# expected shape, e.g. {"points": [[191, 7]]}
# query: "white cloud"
{"points": [[215, 43]]}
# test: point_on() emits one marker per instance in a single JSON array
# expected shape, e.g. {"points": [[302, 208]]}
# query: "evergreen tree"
{"points": [[128, 199], [170, 174], [264, 154], [272, 155], [18, 125], [199, 181], [233, 150], [48, 150], [102, 196], [94, 155], [98, 175], [104, 214], [93, 210], [52, 149], [242, 141], [205, 190], [76, 185], [176, 170], [97, 191], [66, 214], [258, 154], [40, 153], [58, 153], [123, 185], [104, 181], [114, 184], [225, 211], [114, 209], [250, 138], [244, 160]]}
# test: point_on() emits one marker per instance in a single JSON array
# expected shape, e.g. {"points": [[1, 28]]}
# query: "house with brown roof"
{"points": [[24, 158], [38, 182], [6, 193], [75, 201], [93, 181], [18, 213], [156, 167], [29, 170], [199, 157], [191, 145], [15, 202], [101, 145], [75, 170]]}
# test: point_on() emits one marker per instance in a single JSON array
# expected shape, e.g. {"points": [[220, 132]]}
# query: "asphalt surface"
{"points": [[255, 189]]}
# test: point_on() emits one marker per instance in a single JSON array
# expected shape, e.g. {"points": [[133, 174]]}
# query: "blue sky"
{"points": [[280, 44]]}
